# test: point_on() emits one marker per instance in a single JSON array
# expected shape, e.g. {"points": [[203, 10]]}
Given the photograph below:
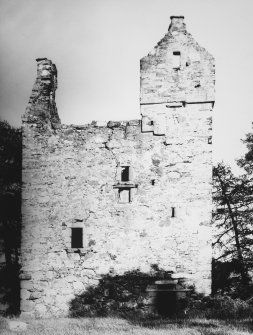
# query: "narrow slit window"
{"points": [[76, 237], [173, 212], [176, 59], [153, 182], [125, 173], [209, 140]]}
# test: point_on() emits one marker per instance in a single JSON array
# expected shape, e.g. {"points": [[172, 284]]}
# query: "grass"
{"points": [[118, 326]]}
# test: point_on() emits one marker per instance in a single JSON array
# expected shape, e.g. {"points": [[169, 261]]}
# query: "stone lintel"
{"points": [[176, 17], [125, 185], [177, 104], [41, 59]]}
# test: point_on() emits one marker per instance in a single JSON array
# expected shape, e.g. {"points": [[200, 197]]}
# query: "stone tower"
{"points": [[119, 196]]}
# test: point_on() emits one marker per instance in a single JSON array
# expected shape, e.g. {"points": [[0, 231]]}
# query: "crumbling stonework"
{"points": [[139, 191]]}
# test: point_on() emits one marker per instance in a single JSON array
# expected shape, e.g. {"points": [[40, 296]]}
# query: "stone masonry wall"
{"points": [[140, 190]]}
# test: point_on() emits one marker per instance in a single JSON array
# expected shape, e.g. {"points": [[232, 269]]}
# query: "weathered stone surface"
{"points": [[27, 306], [24, 294], [17, 325], [25, 276], [78, 286], [139, 189], [41, 111], [40, 309], [26, 285], [27, 315]]}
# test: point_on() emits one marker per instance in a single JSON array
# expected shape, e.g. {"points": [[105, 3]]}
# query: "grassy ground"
{"points": [[117, 326]]}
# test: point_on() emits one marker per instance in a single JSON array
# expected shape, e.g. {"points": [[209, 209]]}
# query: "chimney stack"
{"points": [[41, 107], [177, 24]]}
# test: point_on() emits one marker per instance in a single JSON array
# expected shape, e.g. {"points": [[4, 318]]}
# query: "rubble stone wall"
{"points": [[140, 190]]}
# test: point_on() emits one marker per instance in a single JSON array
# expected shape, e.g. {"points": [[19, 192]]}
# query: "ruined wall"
{"points": [[140, 191]]}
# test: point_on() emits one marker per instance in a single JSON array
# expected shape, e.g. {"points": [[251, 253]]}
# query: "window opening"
{"points": [[176, 59], [125, 173], [210, 140], [153, 182], [173, 212], [124, 196], [76, 237]]}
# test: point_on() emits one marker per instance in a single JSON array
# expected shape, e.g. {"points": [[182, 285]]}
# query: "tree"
{"points": [[247, 161], [10, 208], [232, 217]]}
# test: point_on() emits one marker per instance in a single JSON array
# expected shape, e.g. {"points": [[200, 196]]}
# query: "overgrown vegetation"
{"points": [[126, 296], [233, 222], [117, 294], [219, 307]]}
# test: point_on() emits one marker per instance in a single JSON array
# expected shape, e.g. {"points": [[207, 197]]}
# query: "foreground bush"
{"points": [[220, 307], [117, 294], [125, 296]]}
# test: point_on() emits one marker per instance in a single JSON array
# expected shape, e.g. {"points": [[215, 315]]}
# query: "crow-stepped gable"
{"points": [[118, 196]]}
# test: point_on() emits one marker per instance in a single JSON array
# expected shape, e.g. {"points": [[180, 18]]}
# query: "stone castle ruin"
{"points": [[111, 197]]}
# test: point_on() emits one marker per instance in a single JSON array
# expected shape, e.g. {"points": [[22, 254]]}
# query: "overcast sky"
{"points": [[96, 46]]}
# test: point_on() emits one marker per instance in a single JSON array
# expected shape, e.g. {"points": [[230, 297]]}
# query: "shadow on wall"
{"points": [[123, 295]]}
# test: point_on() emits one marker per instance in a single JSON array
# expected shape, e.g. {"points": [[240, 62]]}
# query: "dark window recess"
{"points": [[151, 123], [153, 182], [173, 212], [210, 140], [176, 59], [76, 237], [125, 173]]}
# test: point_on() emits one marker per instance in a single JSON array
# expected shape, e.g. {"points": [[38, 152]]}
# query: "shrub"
{"points": [[116, 294], [220, 307]]}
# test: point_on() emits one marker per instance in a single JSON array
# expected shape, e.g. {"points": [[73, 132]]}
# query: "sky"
{"points": [[97, 44]]}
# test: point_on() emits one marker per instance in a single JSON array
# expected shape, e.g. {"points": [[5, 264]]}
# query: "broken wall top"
{"points": [[176, 72], [41, 109]]}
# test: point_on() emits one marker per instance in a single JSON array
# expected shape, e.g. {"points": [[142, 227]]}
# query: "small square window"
{"points": [[76, 237]]}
